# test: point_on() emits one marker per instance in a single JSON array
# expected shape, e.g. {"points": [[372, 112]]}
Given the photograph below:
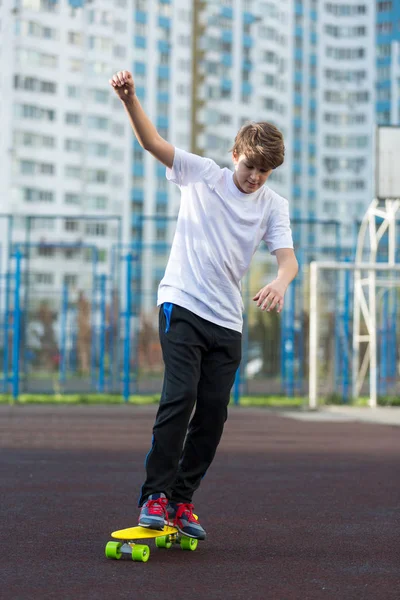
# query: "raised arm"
{"points": [[147, 135]]}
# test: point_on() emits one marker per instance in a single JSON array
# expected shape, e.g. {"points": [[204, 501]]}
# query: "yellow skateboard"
{"points": [[127, 546]]}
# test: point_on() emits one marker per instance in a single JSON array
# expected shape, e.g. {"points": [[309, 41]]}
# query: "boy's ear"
{"points": [[235, 156]]}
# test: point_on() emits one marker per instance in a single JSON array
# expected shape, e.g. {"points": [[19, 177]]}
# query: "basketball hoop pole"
{"points": [[365, 304], [379, 219], [359, 374]]}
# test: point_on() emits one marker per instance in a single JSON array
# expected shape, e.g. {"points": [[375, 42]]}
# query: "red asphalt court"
{"points": [[294, 510]]}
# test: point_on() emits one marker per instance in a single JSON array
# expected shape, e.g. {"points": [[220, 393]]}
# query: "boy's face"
{"points": [[248, 177]]}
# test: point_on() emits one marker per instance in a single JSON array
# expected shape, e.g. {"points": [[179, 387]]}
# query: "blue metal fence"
{"points": [[118, 351], [11, 326]]}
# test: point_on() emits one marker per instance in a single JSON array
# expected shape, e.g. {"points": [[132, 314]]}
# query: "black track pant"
{"points": [[201, 360]]}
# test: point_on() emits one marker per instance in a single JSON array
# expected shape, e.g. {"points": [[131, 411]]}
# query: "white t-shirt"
{"points": [[219, 228]]}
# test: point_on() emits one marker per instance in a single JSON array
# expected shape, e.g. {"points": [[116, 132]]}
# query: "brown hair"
{"points": [[262, 143]]}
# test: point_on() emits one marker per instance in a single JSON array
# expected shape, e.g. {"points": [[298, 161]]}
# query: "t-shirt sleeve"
{"points": [[279, 233], [190, 168]]}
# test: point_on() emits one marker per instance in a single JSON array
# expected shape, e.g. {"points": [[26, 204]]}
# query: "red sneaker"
{"points": [[153, 513]]}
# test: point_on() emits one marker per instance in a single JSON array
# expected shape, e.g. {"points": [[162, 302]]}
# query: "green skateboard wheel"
{"points": [[163, 542], [188, 543], [113, 550], [140, 553]]}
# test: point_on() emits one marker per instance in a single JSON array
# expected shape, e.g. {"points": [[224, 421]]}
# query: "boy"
{"points": [[222, 219]]}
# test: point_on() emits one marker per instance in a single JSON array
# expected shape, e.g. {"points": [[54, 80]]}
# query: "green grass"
{"points": [[273, 401], [78, 399], [337, 400], [281, 402], [270, 401]]}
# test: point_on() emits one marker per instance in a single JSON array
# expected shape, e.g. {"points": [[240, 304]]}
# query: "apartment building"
{"points": [[334, 116], [65, 145], [202, 69], [388, 62]]}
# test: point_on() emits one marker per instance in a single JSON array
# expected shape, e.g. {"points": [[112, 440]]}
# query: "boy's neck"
{"points": [[235, 181]]}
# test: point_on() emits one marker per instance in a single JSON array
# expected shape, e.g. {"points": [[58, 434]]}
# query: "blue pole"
{"points": [[6, 329], [1, 315], [337, 351], [383, 371], [117, 349], [135, 311], [288, 335], [288, 343], [245, 349], [339, 339], [102, 331], [114, 286], [16, 327], [127, 338], [63, 336], [285, 334], [236, 388], [298, 337], [393, 337], [294, 287]]}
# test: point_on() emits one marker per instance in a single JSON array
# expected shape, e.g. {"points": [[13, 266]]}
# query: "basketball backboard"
{"points": [[387, 155]]}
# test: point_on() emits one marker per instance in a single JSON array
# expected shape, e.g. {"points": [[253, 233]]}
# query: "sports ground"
{"points": [[294, 509]]}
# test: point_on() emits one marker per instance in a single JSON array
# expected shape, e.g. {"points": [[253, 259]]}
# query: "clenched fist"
{"points": [[123, 84]]}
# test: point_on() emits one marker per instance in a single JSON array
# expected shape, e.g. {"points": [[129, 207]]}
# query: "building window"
{"points": [[27, 56], [33, 84], [96, 229], [73, 91], [97, 176], [40, 5], [45, 251], [71, 198], [98, 149], [73, 118], [100, 43], [44, 278], [37, 195], [73, 172], [120, 26], [97, 202], [385, 6], [71, 225], [70, 279], [28, 111], [95, 122], [33, 140], [75, 65], [73, 145], [100, 96], [41, 223]]}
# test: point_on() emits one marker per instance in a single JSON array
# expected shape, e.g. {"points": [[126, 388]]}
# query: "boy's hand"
{"points": [[123, 84], [271, 296]]}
